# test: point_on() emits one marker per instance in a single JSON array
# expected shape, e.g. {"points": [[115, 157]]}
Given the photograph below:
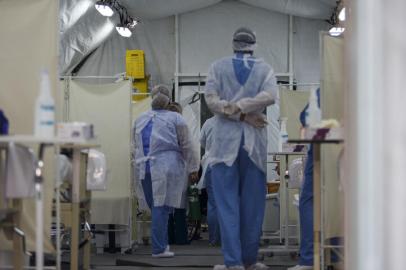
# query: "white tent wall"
{"points": [[306, 52], [332, 106], [82, 30], [205, 35], [157, 9], [304, 8], [97, 104], [20, 68], [155, 37]]}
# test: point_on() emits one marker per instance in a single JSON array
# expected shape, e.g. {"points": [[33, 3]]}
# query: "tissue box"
{"points": [[74, 130]]}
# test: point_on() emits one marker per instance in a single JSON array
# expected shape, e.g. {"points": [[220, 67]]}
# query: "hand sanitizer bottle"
{"points": [[44, 109]]}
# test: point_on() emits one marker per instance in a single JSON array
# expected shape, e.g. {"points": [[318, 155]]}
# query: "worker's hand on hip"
{"points": [[193, 177], [231, 109], [257, 120]]}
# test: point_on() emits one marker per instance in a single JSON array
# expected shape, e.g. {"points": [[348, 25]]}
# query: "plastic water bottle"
{"points": [[313, 115], [283, 134], [44, 109]]}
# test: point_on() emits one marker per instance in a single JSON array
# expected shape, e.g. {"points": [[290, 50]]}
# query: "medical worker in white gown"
{"points": [[164, 158], [238, 90]]}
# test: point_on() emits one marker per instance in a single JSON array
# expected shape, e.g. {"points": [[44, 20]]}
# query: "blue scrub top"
{"points": [[242, 69], [309, 163], [304, 112]]}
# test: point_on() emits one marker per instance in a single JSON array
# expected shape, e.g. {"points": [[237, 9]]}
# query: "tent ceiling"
{"points": [[83, 29], [314, 9], [153, 9]]}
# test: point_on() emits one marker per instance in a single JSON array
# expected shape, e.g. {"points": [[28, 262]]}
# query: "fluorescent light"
{"points": [[341, 16], [123, 31], [336, 31], [104, 8]]}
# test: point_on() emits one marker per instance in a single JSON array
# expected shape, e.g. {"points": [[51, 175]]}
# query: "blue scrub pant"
{"points": [[160, 215], [306, 217], [306, 214], [239, 192], [212, 221]]}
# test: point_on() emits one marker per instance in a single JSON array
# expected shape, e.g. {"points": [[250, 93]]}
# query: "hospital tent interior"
{"points": [[68, 200]]}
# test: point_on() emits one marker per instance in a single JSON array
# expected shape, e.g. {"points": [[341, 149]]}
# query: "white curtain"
{"points": [[29, 38], [332, 106], [375, 139], [108, 108]]}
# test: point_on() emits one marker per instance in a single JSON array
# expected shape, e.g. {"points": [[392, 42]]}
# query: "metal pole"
{"points": [[39, 210], [90, 77], [75, 209], [286, 176], [177, 58], [322, 216], [316, 205], [58, 214], [290, 41], [65, 116]]}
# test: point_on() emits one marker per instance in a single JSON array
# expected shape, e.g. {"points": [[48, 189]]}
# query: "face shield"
{"points": [[244, 40]]}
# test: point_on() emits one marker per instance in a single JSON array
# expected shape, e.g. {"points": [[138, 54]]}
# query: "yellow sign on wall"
{"points": [[135, 64]]}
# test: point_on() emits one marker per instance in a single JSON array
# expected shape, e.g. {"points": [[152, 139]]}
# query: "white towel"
{"points": [[20, 172]]}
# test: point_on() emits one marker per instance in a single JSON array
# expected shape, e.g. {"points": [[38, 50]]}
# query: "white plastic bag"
{"points": [[20, 172], [296, 170], [96, 171]]}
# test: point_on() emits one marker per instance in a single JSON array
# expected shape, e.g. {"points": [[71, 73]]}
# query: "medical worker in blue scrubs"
{"points": [[238, 90], [206, 182], [306, 206], [164, 158]]}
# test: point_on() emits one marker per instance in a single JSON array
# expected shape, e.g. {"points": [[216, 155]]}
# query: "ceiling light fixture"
{"points": [[126, 22], [336, 31], [108, 7], [338, 15], [123, 30], [341, 15], [105, 7]]}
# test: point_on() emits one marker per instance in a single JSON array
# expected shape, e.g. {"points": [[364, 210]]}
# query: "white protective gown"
{"points": [[171, 158], [259, 91], [206, 143]]}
